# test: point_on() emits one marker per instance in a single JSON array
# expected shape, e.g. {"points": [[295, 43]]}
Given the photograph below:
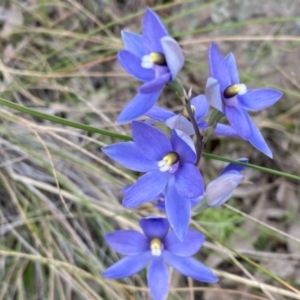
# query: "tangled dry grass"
{"points": [[60, 195]]}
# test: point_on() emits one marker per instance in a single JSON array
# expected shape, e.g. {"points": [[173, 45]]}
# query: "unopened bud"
{"points": [[185, 112]]}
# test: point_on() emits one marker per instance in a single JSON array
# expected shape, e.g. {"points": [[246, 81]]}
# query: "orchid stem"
{"points": [[199, 137]]}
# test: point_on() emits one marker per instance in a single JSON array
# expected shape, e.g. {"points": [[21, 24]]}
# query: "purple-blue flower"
{"points": [[199, 105], [225, 93], [157, 247], [154, 58], [220, 190], [170, 169]]}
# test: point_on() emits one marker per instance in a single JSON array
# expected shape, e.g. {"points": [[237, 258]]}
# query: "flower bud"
{"points": [[185, 112], [219, 190]]}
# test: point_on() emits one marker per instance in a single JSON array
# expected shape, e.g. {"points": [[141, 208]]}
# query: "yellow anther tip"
{"points": [[155, 243], [171, 158], [232, 90], [158, 58]]}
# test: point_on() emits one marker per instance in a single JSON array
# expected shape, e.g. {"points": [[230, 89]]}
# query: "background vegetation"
{"points": [[60, 194]]}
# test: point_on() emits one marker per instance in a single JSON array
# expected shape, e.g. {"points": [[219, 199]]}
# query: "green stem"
{"points": [[199, 137], [62, 121]]}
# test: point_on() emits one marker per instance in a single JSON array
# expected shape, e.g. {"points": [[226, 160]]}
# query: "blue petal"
{"points": [[153, 31], [190, 267], [238, 119], [217, 67], [150, 141], [189, 181], [178, 210], [155, 84], [132, 64], [161, 70], [196, 200], [213, 94], [187, 139], [173, 55], [138, 106], [128, 266], [155, 227], [201, 106], [232, 68], [219, 190], [159, 114], [257, 140], [158, 279], [186, 154], [146, 189], [191, 243], [133, 42], [235, 167], [127, 242], [127, 154], [127, 188], [225, 130], [202, 125], [181, 123], [161, 206], [258, 99]]}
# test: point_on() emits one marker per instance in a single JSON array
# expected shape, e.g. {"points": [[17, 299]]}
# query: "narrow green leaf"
{"points": [[65, 122], [62, 121], [263, 169]]}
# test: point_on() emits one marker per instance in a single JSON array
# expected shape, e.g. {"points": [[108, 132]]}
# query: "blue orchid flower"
{"points": [[220, 190], [200, 106], [157, 247], [225, 93], [154, 58], [170, 169]]}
